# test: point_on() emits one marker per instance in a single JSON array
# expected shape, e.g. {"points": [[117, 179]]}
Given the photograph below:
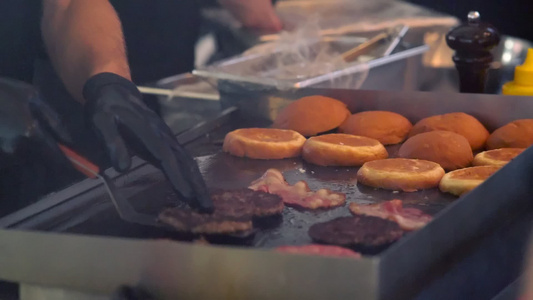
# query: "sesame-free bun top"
{"points": [[517, 134], [338, 149], [400, 174], [312, 115], [387, 127], [263, 143], [457, 122], [462, 181], [496, 157], [448, 149]]}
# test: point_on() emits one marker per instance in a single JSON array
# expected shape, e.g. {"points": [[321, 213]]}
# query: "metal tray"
{"points": [[258, 70], [470, 232]]}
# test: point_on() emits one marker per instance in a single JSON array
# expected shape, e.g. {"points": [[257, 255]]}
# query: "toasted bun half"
{"points": [[403, 174], [462, 181], [385, 126], [517, 134], [312, 115], [264, 143], [457, 122], [450, 150], [496, 157], [339, 149]]}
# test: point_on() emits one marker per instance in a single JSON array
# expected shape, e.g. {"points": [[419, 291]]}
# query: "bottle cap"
{"points": [[523, 74], [473, 36]]}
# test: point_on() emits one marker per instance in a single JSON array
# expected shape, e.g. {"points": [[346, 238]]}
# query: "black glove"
{"points": [[116, 112], [28, 126]]}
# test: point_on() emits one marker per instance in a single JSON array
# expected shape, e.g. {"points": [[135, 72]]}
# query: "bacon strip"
{"points": [[408, 218], [324, 250], [298, 194]]}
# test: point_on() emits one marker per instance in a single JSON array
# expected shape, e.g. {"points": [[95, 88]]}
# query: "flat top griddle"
{"points": [[222, 170], [457, 228]]}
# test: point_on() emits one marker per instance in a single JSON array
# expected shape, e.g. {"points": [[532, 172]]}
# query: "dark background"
{"points": [[513, 17]]}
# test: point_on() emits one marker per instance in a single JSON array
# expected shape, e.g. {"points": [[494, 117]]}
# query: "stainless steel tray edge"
{"points": [[492, 110], [175, 270]]}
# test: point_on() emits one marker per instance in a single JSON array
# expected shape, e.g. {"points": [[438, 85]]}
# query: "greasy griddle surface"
{"points": [[225, 171]]}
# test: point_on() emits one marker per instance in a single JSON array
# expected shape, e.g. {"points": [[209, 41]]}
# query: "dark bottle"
{"points": [[472, 43]]}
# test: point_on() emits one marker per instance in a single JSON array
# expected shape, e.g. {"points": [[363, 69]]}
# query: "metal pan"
{"points": [[459, 233], [166, 270], [244, 70]]}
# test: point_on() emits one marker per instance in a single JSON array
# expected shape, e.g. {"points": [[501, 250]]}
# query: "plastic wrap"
{"points": [[298, 58], [340, 17], [308, 53], [303, 54]]}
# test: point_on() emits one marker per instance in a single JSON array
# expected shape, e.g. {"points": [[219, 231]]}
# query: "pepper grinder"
{"points": [[472, 43]]}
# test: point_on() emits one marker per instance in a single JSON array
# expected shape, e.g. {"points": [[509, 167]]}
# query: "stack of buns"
{"points": [[449, 149], [312, 115], [434, 144], [517, 134], [458, 122], [387, 127]]}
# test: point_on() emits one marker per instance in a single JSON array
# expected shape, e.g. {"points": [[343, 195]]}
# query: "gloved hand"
{"points": [[28, 126], [122, 121]]}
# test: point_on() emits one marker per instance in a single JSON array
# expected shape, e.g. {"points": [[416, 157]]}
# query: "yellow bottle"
{"points": [[523, 78]]}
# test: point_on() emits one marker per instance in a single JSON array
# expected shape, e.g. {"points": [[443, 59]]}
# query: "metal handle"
{"points": [[363, 48], [399, 34], [174, 93], [123, 207], [80, 163]]}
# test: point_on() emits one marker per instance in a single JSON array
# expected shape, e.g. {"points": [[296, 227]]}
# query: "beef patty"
{"points": [[263, 204], [234, 210], [358, 230]]}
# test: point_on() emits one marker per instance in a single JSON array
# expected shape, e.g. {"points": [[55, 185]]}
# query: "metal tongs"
{"points": [[123, 207], [393, 36]]}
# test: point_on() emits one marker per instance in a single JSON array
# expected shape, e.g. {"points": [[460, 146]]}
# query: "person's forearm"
{"points": [[83, 38]]}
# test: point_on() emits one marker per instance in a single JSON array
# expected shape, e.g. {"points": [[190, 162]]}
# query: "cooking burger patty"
{"points": [[365, 231], [186, 220], [265, 204], [234, 210]]}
